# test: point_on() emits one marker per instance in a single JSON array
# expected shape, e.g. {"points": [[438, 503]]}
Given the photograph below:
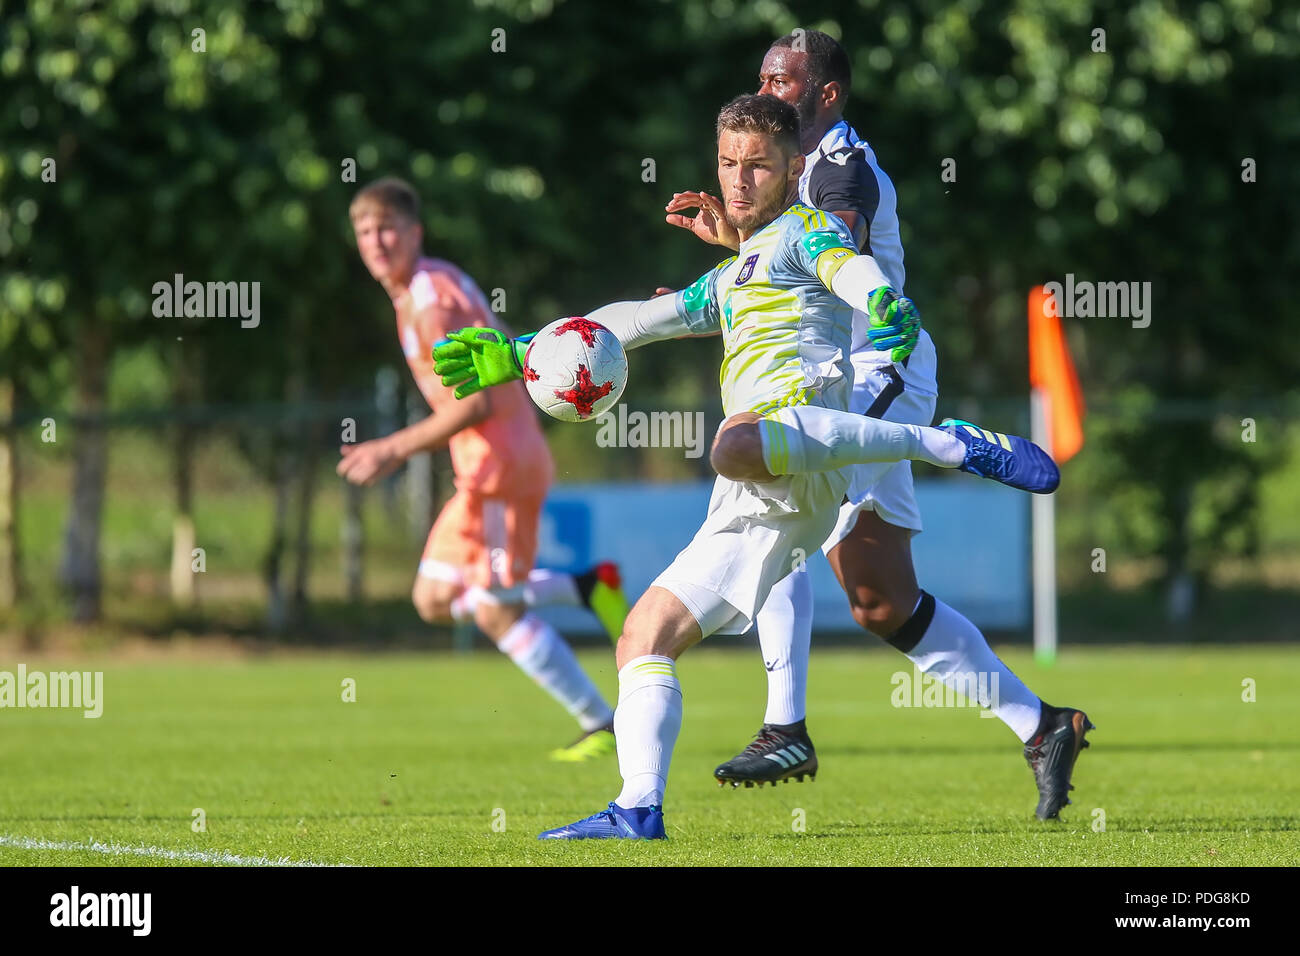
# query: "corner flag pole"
{"points": [[1043, 521], [1056, 424]]}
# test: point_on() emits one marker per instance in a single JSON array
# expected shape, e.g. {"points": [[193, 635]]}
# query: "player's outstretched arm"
{"points": [[472, 359], [893, 320], [653, 320]]}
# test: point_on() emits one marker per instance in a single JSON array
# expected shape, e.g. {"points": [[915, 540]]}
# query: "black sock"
{"points": [[910, 634]]}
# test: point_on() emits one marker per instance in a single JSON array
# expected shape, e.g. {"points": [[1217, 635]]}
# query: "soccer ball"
{"points": [[575, 369]]}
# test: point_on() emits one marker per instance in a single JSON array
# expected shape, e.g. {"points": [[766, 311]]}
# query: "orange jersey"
{"points": [[504, 455]]}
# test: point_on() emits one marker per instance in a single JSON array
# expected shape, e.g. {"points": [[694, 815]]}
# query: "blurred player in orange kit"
{"points": [[478, 562]]}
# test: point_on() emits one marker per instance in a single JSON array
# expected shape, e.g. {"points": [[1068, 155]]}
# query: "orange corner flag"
{"points": [[1052, 371]]}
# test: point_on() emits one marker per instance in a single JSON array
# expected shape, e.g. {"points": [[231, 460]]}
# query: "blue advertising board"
{"points": [[973, 554]]}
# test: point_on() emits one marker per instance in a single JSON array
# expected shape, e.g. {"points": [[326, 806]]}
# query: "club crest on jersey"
{"points": [[747, 270]]}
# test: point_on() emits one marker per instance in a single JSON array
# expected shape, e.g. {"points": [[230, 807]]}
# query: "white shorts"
{"points": [[753, 536], [895, 393]]}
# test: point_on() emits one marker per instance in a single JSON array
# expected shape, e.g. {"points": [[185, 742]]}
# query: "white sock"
{"points": [[550, 587], [544, 656], [785, 633], [807, 438], [646, 725], [954, 651]]}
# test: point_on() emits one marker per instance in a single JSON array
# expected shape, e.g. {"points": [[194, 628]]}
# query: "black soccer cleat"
{"points": [[1051, 754], [778, 752]]}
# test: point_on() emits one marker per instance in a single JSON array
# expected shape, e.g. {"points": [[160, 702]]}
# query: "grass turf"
{"points": [[442, 760]]}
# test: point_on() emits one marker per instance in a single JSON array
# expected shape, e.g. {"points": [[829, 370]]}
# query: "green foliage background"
{"points": [[1117, 165]]}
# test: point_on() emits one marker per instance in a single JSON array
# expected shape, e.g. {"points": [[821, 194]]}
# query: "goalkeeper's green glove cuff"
{"points": [[521, 348], [472, 359]]}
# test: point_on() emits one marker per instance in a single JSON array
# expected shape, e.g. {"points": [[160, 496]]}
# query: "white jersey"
{"points": [[841, 174]]}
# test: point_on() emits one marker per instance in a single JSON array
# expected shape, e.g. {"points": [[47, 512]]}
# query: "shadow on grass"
{"points": [[1129, 826], [1165, 746]]}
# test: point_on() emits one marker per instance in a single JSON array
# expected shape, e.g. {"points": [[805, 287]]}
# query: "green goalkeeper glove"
{"points": [[894, 324], [472, 359]]}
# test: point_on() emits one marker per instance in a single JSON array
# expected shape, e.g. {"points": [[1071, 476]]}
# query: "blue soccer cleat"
{"points": [[639, 823], [1012, 460]]}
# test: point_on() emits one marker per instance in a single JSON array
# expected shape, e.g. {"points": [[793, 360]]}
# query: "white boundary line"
{"points": [[190, 856]]}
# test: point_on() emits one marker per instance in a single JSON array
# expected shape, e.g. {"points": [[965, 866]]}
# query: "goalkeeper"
{"points": [[783, 308]]}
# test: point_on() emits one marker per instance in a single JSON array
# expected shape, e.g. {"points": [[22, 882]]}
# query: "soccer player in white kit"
{"points": [[781, 307], [870, 547]]}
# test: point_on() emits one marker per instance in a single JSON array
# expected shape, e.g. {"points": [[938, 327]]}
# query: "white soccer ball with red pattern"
{"points": [[575, 369]]}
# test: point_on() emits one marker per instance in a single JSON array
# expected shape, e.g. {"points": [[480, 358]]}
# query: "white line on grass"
{"points": [[190, 856]]}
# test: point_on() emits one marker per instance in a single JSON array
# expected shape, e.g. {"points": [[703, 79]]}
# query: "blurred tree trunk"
{"points": [[1180, 581], [184, 589], [308, 459], [277, 610], [11, 576], [183, 585], [285, 598], [354, 541], [79, 571]]}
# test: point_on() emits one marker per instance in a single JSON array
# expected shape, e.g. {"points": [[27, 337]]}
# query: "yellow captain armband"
{"points": [[831, 261], [827, 250]]}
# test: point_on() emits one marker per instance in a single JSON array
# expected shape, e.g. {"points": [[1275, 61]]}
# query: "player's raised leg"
{"points": [[808, 438]]}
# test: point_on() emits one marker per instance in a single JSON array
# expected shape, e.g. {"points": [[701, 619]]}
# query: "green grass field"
{"points": [[439, 748]]}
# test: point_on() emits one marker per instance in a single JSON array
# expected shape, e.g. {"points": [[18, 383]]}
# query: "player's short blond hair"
{"points": [[387, 195]]}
